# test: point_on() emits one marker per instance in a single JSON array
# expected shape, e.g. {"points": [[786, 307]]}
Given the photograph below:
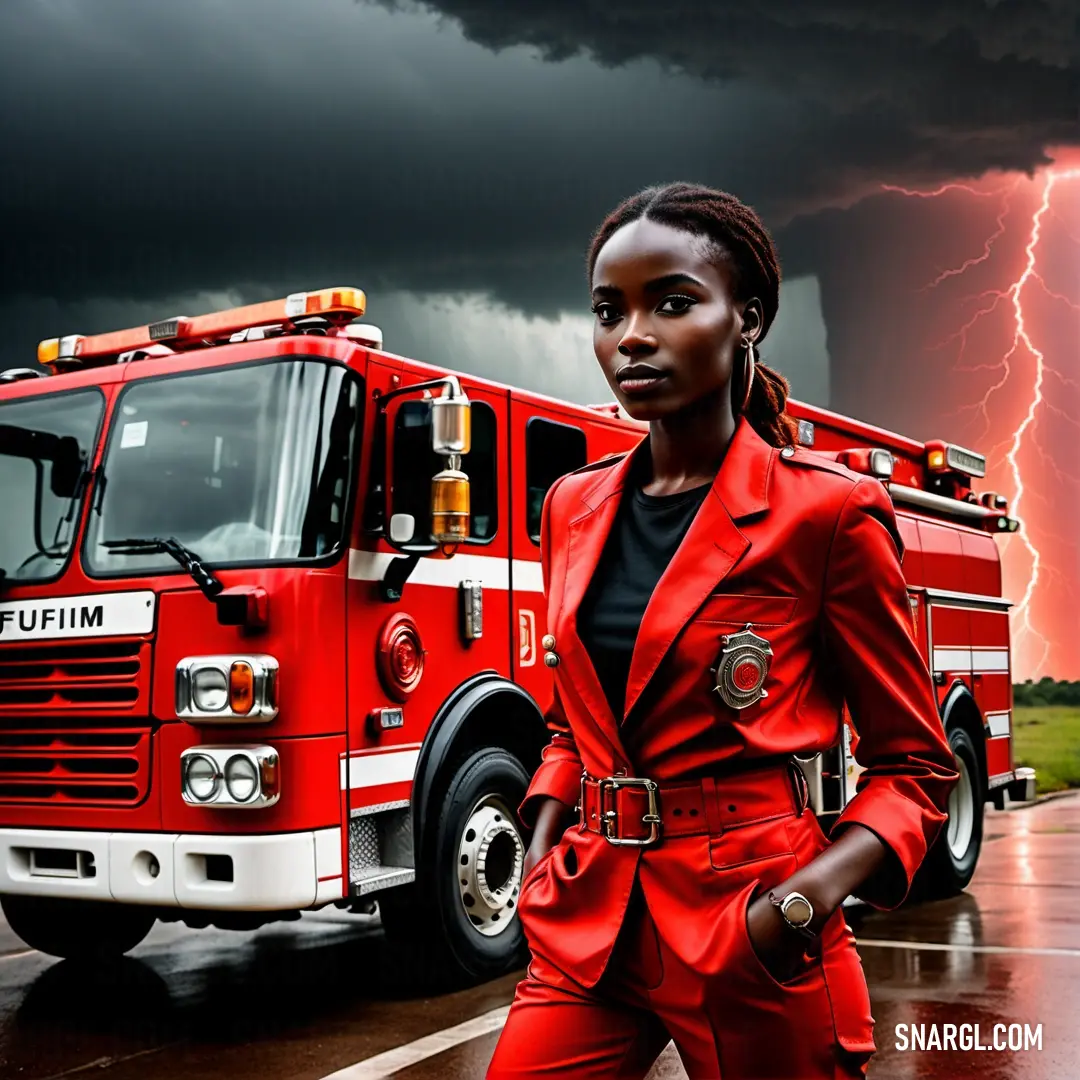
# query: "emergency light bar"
{"points": [[947, 457], [339, 305]]}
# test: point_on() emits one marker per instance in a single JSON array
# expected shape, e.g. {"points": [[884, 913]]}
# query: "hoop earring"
{"points": [[748, 375]]}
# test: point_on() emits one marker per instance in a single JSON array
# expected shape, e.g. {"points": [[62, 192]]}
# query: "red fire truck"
{"points": [[270, 616]]}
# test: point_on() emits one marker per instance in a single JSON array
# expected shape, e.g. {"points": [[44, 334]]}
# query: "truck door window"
{"points": [[551, 451], [415, 463]]}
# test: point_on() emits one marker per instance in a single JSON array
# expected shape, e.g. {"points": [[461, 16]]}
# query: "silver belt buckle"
{"points": [[608, 818]]}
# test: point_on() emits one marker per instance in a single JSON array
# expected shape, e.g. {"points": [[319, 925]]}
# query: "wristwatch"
{"points": [[798, 912]]}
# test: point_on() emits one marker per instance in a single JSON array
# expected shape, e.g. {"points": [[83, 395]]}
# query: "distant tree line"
{"points": [[1046, 691]]}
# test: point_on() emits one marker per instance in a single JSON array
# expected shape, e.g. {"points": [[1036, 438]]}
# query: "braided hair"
{"points": [[737, 238]]}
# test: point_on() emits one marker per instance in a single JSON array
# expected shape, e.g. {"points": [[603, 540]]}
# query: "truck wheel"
{"points": [[76, 929], [950, 863], [461, 910]]}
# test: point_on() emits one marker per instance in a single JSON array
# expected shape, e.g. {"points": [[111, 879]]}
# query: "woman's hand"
{"points": [[825, 881], [550, 825], [831, 876], [779, 948], [539, 847]]}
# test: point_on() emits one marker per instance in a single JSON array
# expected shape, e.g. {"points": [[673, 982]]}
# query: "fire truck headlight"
{"points": [[241, 777], [230, 777], [209, 689], [213, 689], [201, 778]]}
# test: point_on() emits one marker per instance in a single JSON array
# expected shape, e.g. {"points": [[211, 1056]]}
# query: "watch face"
{"points": [[797, 911]]}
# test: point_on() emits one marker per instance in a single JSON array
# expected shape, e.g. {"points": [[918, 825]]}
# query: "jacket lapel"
{"points": [[587, 533], [710, 549]]}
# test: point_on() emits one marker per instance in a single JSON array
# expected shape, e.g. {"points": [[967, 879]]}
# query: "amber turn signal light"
{"points": [[241, 687]]}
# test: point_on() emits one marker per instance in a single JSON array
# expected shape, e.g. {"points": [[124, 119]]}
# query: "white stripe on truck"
{"points": [[492, 571]]}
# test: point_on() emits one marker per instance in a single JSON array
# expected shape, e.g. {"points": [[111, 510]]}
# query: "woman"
{"points": [[714, 597]]}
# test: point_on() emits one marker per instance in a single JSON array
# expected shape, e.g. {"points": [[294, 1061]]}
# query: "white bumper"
{"points": [[284, 872]]}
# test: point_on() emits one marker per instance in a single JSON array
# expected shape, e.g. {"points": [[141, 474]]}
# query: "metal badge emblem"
{"points": [[741, 668]]}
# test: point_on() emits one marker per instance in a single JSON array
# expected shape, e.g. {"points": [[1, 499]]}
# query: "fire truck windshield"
{"points": [[244, 465], [46, 444]]}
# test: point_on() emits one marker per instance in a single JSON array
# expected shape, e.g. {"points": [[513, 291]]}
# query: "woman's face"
{"points": [[666, 314]]}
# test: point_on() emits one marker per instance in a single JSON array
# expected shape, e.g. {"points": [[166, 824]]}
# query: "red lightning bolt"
{"points": [[939, 191], [1053, 178], [988, 245], [989, 301]]}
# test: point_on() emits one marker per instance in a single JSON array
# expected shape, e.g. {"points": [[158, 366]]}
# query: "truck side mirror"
{"points": [[427, 433], [451, 436]]}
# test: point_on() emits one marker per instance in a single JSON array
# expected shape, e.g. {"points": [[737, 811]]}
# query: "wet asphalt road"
{"points": [[301, 1000]]}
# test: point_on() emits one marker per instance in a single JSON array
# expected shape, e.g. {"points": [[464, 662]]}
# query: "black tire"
{"points": [[950, 863], [76, 929], [442, 914]]}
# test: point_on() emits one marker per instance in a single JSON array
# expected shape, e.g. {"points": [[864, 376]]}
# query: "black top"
{"points": [[645, 535]]}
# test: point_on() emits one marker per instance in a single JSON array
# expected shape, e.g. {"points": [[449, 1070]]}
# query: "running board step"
{"points": [[381, 850]]}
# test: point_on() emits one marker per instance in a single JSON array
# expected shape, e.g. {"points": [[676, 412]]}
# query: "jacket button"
{"points": [[551, 659], [548, 641], [788, 451]]}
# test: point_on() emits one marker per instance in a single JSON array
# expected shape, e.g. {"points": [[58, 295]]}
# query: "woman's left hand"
{"points": [[780, 949], [830, 876]]}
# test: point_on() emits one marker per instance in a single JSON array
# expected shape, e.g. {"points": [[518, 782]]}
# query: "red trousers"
{"points": [[738, 1024]]}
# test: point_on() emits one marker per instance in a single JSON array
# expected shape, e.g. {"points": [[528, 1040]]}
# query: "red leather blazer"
{"points": [[807, 551]]}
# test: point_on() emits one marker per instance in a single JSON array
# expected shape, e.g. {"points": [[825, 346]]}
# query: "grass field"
{"points": [[1048, 739]]}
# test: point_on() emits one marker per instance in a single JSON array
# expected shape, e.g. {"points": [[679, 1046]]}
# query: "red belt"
{"points": [[638, 811]]}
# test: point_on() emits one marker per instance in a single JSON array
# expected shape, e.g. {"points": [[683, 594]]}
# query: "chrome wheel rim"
{"points": [[961, 813], [491, 854]]}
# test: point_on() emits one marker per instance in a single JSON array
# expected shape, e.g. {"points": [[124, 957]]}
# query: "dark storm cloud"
{"points": [[158, 149], [162, 149], [956, 69], [882, 91]]}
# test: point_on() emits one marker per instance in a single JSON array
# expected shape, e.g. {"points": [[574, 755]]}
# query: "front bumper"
{"points": [[282, 872]]}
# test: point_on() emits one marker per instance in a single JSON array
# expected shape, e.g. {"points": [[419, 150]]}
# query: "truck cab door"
{"points": [[425, 629]]}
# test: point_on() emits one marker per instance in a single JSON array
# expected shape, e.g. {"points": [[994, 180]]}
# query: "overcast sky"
{"points": [[453, 158]]}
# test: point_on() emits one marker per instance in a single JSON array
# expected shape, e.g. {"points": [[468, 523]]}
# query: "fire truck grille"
{"points": [[87, 678], [107, 766]]}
